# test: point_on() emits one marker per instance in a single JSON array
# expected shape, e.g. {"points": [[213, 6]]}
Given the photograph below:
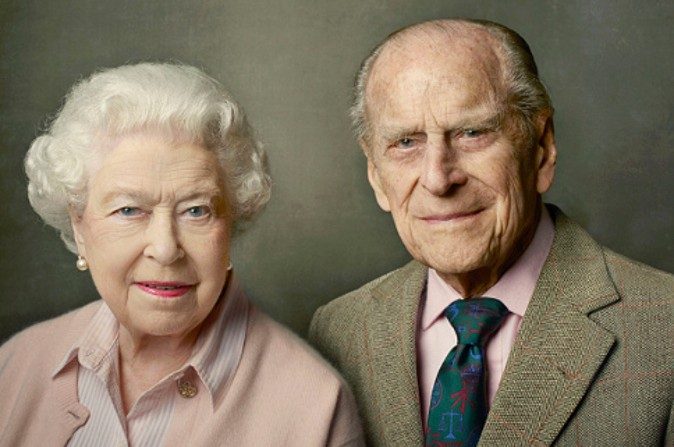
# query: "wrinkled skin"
{"points": [[156, 211], [447, 158]]}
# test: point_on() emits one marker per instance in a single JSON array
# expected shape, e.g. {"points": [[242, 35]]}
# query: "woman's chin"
{"points": [[157, 325]]}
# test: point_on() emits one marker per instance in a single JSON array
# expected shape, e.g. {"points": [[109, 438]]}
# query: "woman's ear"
{"points": [[77, 224]]}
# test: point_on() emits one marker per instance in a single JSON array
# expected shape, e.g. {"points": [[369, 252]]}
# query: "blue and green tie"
{"points": [[459, 405]]}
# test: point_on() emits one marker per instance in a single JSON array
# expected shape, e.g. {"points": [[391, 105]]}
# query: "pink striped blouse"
{"points": [[198, 382]]}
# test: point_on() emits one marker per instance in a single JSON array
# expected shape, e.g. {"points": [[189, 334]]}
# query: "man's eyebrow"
{"points": [[395, 133], [482, 121]]}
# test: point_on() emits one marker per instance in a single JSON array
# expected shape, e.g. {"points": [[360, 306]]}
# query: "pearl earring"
{"points": [[81, 264]]}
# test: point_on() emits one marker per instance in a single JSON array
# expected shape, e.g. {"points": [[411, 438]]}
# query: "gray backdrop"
{"points": [[608, 66]]}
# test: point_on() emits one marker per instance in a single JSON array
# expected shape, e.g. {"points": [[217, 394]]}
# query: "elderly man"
{"points": [[512, 326]]}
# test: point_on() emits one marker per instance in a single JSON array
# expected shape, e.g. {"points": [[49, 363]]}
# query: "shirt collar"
{"points": [[218, 350], [515, 288], [215, 355]]}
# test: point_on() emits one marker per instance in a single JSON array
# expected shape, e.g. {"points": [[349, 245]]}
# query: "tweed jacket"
{"points": [[593, 363]]}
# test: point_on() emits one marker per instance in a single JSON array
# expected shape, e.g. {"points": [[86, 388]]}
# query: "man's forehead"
{"points": [[459, 37], [444, 78], [474, 48], [467, 52]]}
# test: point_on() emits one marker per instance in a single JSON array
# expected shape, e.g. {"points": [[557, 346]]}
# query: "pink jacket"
{"points": [[282, 393]]}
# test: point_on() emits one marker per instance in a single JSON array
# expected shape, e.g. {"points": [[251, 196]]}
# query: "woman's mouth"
{"points": [[164, 289]]}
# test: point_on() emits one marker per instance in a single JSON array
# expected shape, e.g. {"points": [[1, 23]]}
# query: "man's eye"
{"points": [[198, 211], [405, 143], [473, 133], [129, 211]]}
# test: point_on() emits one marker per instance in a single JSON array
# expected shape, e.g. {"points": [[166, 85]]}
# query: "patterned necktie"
{"points": [[459, 399]]}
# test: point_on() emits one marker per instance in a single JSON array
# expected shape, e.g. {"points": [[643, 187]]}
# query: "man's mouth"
{"points": [[452, 216]]}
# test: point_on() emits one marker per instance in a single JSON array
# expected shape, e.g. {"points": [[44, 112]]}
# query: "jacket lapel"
{"points": [[559, 349], [392, 349]]}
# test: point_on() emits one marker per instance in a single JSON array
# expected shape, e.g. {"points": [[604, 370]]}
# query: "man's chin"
{"points": [[455, 265]]}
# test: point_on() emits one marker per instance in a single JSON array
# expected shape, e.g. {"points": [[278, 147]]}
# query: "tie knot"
{"points": [[475, 319]]}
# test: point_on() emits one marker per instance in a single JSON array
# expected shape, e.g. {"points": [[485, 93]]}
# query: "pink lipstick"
{"points": [[164, 289]]}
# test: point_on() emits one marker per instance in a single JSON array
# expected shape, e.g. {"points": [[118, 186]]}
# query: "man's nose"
{"points": [[440, 170], [162, 241]]}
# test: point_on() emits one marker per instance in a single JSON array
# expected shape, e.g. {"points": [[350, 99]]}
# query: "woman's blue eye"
{"points": [[197, 211], [128, 211]]}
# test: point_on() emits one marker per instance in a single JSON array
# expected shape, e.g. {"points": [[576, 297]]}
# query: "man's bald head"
{"points": [[495, 50]]}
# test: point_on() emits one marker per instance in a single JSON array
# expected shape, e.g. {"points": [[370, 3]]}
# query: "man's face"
{"points": [[445, 159]]}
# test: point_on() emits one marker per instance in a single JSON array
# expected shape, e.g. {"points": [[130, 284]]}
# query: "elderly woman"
{"points": [[146, 172]]}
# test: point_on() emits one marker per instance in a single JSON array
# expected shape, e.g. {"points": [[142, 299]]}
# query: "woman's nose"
{"points": [[162, 241]]}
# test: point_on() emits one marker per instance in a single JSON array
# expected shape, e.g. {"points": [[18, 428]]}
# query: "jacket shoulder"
{"points": [[348, 307], [338, 325], [27, 361], [635, 277], [284, 378], [646, 289], [43, 343], [288, 352], [350, 303]]}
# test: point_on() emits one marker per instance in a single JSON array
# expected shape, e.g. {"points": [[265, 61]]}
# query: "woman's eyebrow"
{"points": [[198, 193], [124, 193], [204, 191]]}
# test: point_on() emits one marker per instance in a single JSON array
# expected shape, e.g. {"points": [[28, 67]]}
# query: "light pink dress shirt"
{"points": [[203, 377], [436, 337]]}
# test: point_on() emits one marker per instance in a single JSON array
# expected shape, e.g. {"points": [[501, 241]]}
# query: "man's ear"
{"points": [[546, 153], [375, 182], [76, 223]]}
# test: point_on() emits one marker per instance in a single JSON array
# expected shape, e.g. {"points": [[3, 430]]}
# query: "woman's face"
{"points": [[155, 232]]}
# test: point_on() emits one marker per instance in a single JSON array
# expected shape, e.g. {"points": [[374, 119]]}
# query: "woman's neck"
{"points": [[144, 360]]}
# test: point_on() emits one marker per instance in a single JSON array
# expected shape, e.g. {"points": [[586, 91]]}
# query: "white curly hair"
{"points": [[112, 102]]}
